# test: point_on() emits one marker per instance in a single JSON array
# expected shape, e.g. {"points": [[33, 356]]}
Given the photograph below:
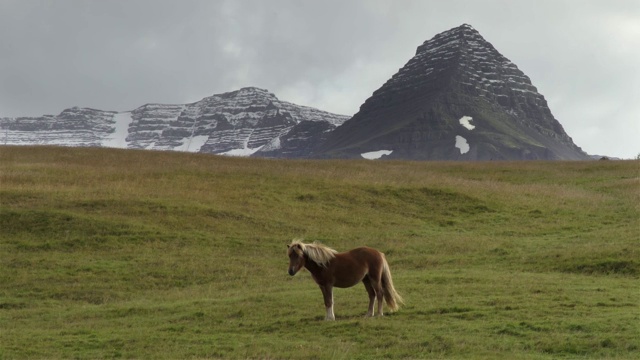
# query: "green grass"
{"points": [[160, 255]]}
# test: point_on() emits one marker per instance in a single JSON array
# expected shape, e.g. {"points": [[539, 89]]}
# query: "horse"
{"points": [[331, 269]]}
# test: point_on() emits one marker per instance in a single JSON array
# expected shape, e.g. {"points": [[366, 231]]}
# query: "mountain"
{"points": [[458, 98], [72, 127], [235, 123]]}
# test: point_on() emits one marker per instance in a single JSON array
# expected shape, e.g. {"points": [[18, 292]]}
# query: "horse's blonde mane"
{"points": [[320, 254]]}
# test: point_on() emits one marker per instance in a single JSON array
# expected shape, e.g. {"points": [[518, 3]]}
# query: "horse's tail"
{"points": [[391, 296]]}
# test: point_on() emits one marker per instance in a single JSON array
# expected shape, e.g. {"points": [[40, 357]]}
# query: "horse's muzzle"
{"points": [[292, 272]]}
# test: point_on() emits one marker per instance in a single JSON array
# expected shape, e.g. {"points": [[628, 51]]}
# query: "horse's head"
{"points": [[296, 257]]}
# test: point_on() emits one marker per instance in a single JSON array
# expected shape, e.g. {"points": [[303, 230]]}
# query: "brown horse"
{"points": [[330, 268]]}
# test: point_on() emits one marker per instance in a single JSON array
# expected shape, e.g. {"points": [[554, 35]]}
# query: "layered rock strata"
{"points": [[237, 123]]}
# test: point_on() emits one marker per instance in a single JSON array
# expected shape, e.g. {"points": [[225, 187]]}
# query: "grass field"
{"points": [[137, 254]]}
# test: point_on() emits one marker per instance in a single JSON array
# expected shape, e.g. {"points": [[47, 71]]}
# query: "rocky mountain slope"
{"points": [[235, 123], [72, 127], [458, 98]]}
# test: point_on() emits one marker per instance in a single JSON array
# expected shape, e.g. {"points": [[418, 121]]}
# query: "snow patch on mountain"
{"points": [[466, 122], [118, 138], [462, 144], [241, 152], [274, 144], [374, 155], [194, 143]]}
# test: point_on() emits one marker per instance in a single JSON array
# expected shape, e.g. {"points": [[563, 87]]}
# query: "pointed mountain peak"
{"points": [[457, 75], [465, 28], [451, 39], [462, 29]]}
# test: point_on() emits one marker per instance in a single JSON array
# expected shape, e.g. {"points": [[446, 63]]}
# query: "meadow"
{"points": [[109, 253]]}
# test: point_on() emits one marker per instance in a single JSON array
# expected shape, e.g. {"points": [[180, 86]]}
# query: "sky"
{"points": [[582, 55]]}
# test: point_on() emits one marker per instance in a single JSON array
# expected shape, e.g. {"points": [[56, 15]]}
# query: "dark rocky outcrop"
{"points": [[299, 142]]}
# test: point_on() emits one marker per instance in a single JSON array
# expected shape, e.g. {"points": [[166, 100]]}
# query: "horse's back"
{"points": [[366, 256], [365, 252]]}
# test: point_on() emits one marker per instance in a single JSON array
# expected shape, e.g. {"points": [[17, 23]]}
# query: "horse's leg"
{"points": [[372, 295], [376, 283], [327, 293]]}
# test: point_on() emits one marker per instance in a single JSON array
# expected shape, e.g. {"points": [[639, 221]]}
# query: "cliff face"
{"points": [[72, 127], [458, 98], [238, 123]]}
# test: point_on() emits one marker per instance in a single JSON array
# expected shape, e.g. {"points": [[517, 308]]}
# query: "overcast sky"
{"points": [[582, 55]]}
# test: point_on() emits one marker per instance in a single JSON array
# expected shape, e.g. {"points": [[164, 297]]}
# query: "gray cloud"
{"points": [[120, 54]]}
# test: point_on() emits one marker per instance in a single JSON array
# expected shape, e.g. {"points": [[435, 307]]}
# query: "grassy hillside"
{"points": [[139, 254]]}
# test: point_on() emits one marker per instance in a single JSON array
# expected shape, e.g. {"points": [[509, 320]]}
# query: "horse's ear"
{"points": [[288, 246]]}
